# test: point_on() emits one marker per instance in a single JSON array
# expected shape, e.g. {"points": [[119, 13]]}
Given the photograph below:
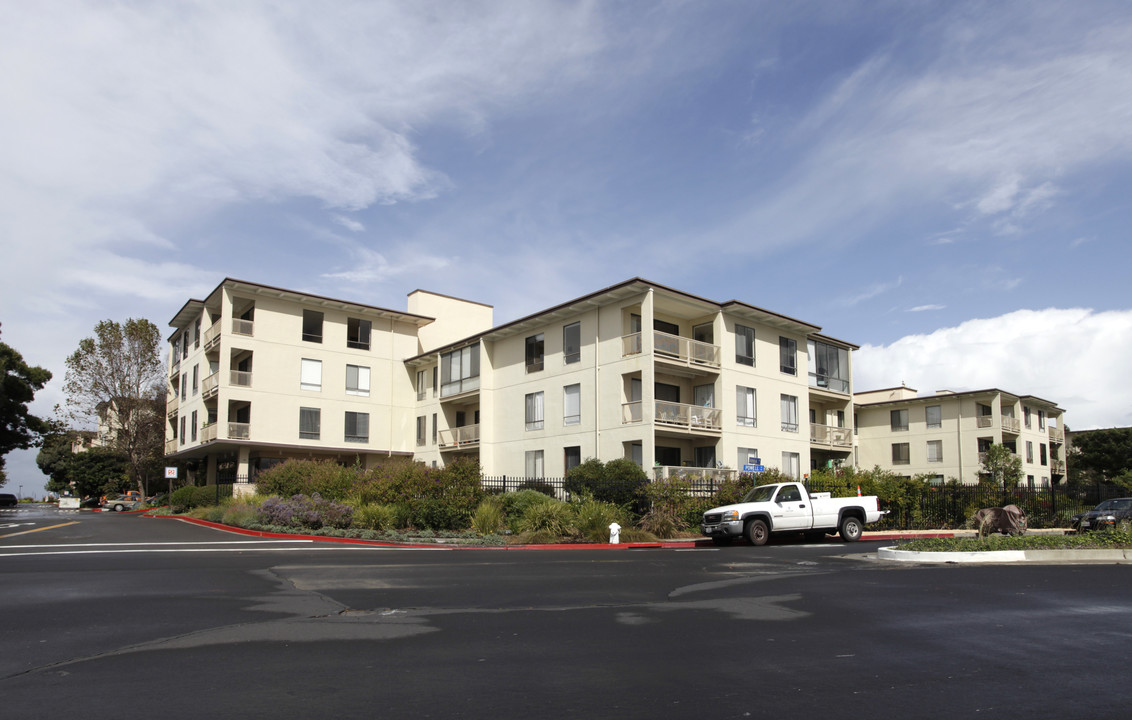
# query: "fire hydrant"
{"points": [[614, 533]]}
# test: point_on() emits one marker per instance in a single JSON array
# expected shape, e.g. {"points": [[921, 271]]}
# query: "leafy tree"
{"points": [[118, 376], [620, 481], [99, 471], [1001, 467], [19, 382], [1101, 455], [54, 459]]}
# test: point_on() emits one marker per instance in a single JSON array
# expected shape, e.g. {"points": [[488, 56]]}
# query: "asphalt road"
{"points": [[120, 616]]}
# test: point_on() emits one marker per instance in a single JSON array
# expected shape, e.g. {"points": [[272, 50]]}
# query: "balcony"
{"points": [[830, 436], [460, 437], [1010, 425], [1056, 434], [703, 481], [1057, 467], [240, 378], [239, 431], [675, 349], [208, 432], [210, 385], [243, 327], [688, 417], [212, 338], [171, 446], [829, 382], [171, 406]]}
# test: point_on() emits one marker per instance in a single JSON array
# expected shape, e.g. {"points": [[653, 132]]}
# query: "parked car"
{"points": [[8, 500], [1114, 514]]}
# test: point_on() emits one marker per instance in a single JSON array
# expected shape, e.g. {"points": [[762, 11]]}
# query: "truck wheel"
{"points": [[757, 532], [720, 541], [851, 529]]}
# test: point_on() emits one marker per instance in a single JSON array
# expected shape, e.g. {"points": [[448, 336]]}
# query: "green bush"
{"points": [[488, 517], [432, 498], [371, 516], [194, 496], [515, 504], [620, 481], [309, 477], [593, 517], [550, 515]]}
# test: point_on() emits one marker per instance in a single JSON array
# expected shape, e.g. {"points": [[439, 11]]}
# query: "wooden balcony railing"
{"points": [[465, 436]]}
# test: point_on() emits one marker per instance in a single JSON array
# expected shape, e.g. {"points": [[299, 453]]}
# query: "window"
{"points": [[898, 420], [422, 387], [935, 451], [745, 406], [789, 405], [357, 333], [196, 378], [184, 385], [788, 356], [194, 426], [1026, 416], [1042, 453], [310, 376], [421, 430], [534, 410], [185, 345], [840, 418], [196, 335], [357, 427], [1029, 451], [828, 366], [792, 465], [183, 419], [312, 326], [534, 353], [747, 456], [704, 456], [357, 380], [434, 428], [310, 423], [1041, 419], [900, 454], [572, 343], [933, 415], [573, 457], [460, 371], [533, 463], [745, 345], [572, 405]]}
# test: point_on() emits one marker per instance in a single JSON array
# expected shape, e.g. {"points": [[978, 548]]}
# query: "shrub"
{"points": [[194, 496], [592, 519], [436, 498], [553, 516], [662, 523], [515, 503], [618, 481], [308, 477], [488, 517], [305, 512], [371, 516]]}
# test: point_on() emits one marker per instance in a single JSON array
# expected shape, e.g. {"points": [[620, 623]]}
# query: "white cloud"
{"points": [[924, 308], [874, 290], [1076, 358]]}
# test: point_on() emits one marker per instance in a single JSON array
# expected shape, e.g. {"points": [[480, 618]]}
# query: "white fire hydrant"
{"points": [[614, 533]]}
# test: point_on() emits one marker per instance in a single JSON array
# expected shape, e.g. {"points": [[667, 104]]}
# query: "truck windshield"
{"points": [[760, 494]]}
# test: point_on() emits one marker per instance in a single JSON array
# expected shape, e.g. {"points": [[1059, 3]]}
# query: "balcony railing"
{"points": [[1011, 425], [675, 348], [1057, 435], [171, 446], [831, 436], [829, 382], [171, 406], [243, 327], [465, 436], [690, 417], [212, 337], [208, 432], [1057, 466], [984, 421], [631, 412], [241, 378], [703, 481], [239, 431], [210, 385]]}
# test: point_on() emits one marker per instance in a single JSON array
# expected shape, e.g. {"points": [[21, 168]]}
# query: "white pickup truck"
{"points": [[788, 507]]}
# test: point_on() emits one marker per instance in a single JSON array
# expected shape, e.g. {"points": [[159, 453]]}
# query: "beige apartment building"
{"points": [[946, 434], [637, 370]]}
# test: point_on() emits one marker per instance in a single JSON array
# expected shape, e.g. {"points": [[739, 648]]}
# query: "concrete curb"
{"points": [[1007, 556]]}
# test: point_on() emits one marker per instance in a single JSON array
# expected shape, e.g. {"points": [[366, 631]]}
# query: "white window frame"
{"points": [[741, 339], [789, 408], [746, 406], [316, 415], [935, 451], [792, 465], [938, 422], [572, 404], [534, 410], [310, 375], [361, 380], [570, 354], [534, 464], [361, 423]]}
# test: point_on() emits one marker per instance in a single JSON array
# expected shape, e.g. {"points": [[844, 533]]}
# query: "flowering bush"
{"points": [[302, 511]]}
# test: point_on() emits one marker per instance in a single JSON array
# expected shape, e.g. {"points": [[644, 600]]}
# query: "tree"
{"points": [[1101, 455], [1001, 467], [99, 471], [118, 377], [19, 382]]}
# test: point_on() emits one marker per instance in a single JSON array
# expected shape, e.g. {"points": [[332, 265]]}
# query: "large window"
{"points": [[533, 464], [933, 415], [310, 377], [572, 343], [184, 385], [534, 353], [534, 411], [460, 371], [900, 454], [745, 345], [788, 355], [792, 465], [1029, 451], [572, 405], [935, 451], [789, 405], [746, 456], [572, 457], [357, 380], [183, 420], [357, 333], [196, 378], [1042, 457], [312, 326], [422, 428], [357, 427], [194, 427], [745, 406], [828, 366], [898, 420], [310, 423], [422, 384], [196, 334], [1041, 419]]}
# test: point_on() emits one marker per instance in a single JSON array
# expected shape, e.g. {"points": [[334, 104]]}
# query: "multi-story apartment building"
{"points": [[945, 435], [637, 370]]}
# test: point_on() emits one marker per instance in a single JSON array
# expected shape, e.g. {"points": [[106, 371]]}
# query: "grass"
{"points": [[1104, 540]]}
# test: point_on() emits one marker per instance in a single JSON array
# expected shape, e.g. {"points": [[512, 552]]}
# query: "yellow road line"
{"points": [[49, 527]]}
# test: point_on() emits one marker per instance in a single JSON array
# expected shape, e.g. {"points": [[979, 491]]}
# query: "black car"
{"points": [[8, 500], [1114, 514]]}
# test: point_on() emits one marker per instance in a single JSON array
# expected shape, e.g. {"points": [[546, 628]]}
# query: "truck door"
{"points": [[791, 510]]}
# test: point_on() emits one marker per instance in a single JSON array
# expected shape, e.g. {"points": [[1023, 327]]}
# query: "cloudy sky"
{"points": [[944, 183]]}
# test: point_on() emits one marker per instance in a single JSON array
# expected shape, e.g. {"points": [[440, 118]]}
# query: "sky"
{"points": [[944, 184]]}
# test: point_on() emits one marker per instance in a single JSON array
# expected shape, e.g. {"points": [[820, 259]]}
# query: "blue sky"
{"points": [[942, 183]]}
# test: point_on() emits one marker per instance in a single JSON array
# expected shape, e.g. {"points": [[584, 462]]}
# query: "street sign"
{"points": [[753, 468], [171, 473]]}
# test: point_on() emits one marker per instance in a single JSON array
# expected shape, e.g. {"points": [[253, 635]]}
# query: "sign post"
{"points": [[171, 475]]}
